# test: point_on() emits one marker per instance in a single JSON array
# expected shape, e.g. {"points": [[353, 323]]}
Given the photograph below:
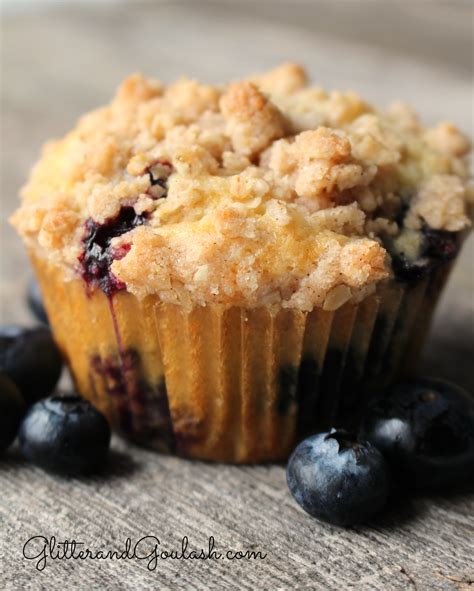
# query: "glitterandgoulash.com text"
{"points": [[149, 549]]}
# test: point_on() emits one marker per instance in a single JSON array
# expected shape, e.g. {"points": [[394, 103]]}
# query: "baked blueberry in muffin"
{"points": [[270, 251], [99, 254]]}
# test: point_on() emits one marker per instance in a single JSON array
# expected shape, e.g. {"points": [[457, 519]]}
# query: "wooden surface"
{"points": [[56, 63]]}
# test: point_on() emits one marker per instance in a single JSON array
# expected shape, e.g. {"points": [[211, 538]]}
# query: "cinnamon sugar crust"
{"points": [[264, 191]]}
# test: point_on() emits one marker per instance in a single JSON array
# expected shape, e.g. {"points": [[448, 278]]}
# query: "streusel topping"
{"points": [[264, 191]]}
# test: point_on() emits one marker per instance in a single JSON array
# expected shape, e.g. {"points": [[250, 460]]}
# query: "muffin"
{"points": [[227, 268]]}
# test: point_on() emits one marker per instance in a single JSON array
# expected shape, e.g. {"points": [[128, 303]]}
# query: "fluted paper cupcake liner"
{"points": [[234, 384]]}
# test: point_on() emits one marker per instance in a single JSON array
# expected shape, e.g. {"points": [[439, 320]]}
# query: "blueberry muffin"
{"points": [[226, 268]]}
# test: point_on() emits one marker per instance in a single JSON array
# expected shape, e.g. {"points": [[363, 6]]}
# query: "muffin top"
{"points": [[260, 192]]}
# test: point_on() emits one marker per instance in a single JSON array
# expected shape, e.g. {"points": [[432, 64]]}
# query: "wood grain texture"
{"points": [[422, 542], [59, 62]]}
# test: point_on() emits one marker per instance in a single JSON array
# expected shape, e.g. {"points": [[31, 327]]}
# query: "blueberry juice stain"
{"points": [[122, 375], [135, 398], [96, 262]]}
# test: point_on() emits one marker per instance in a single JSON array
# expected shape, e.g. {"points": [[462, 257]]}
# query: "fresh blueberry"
{"points": [[35, 301], [66, 435], [425, 428], [338, 477], [30, 357], [12, 409]]}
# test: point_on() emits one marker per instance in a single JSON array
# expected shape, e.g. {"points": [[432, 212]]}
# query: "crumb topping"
{"points": [[260, 192]]}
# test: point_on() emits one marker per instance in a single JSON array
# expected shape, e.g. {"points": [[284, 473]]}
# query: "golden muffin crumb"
{"points": [[261, 192], [285, 79], [251, 121]]}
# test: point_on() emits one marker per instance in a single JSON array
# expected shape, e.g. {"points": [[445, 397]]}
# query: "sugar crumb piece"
{"points": [[194, 161], [342, 108], [319, 162], [337, 297], [447, 139], [440, 202], [252, 121], [137, 88], [380, 227], [374, 142], [363, 261], [285, 79], [233, 163], [347, 220], [191, 99]]}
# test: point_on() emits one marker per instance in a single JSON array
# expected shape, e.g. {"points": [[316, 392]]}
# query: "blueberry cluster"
{"points": [[63, 434], [418, 435]]}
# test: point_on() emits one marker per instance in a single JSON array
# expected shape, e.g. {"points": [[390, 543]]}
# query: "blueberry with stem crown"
{"points": [[338, 477]]}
